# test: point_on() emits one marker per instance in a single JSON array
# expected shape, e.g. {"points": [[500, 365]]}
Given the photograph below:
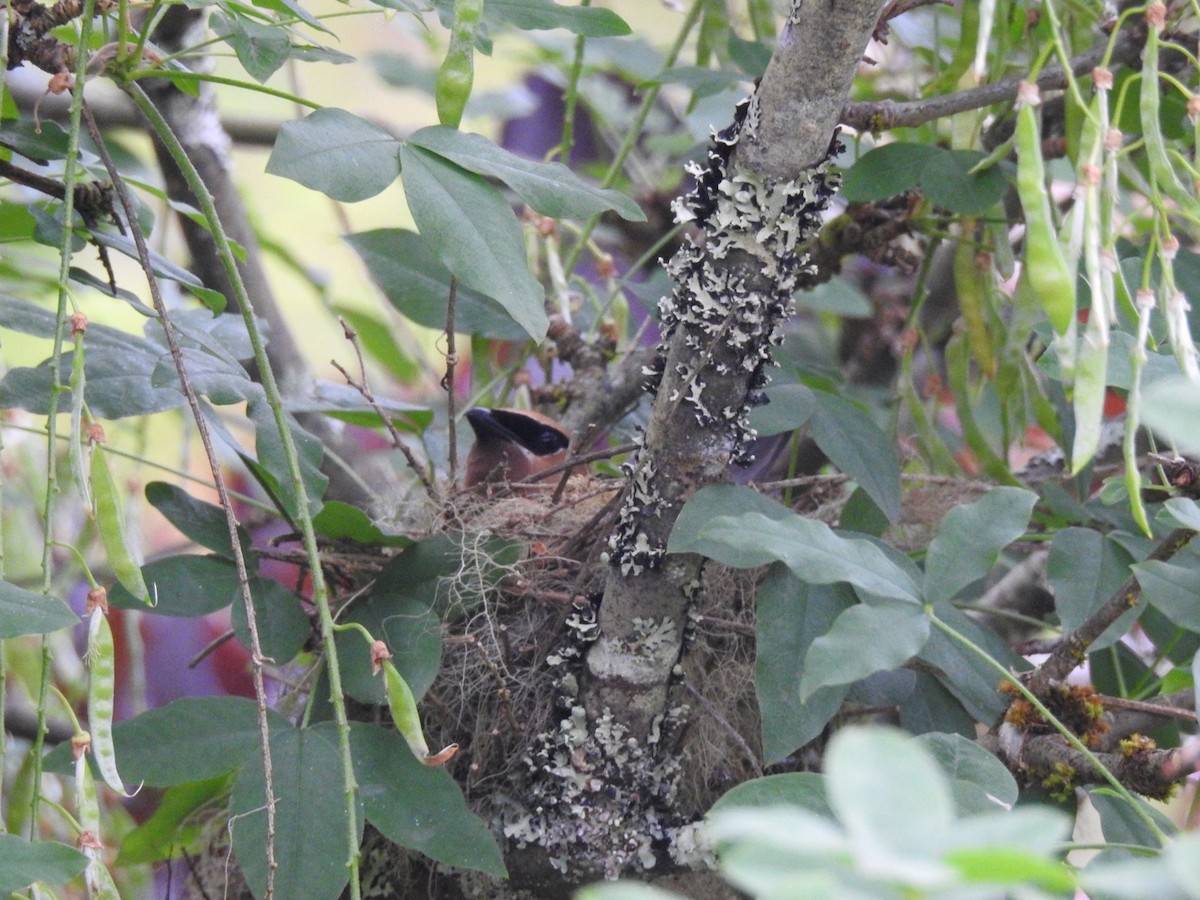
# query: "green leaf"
{"points": [[700, 80], [1030, 829], [803, 789], [887, 171], [550, 188], [196, 520], [1005, 866], [343, 402], [931, 707], [311, 816], [40, 141], [1084, 568], [260, 48], [1183, 511], [1121, 823], [161, 266], [117, 371], [418, 806], [474, 233], [1172, 589], [269, 448], [283, 626], [624, 890], [790, 406], [190, 739], [944, 176], [183, 586], [22, 863], [864, 639], [541, 15], [1171, 409], [29, 612], [979, 781], [858, 447], [337, 153], [413, 633], [791, 615], [809, 548], [402, 265], [901, 808], [174, 828], [344, 522], [837, 296], [1183, 861], [948, 182], [970, 539]]}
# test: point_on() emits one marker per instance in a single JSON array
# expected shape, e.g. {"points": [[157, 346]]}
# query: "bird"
{"points": [[512, 445]]}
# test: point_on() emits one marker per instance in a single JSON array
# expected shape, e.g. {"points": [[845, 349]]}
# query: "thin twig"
{"points": [[581, 441], [1154, 709], [448, 379], [239, 560], [712, 710], [367, 394]]}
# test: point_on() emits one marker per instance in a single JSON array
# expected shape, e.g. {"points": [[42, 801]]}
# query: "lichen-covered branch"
{"points": [[790, 120], [753, 208]]}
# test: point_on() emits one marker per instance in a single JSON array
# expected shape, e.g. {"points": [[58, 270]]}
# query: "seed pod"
{"points": [[457, 72], [1045, 264], [110, 521], [403, 706], [101, 688], [1162, 173]]}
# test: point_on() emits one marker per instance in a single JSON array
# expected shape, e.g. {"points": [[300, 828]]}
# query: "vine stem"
{"points": [[70, 174], [239, 559], [320, 590], [1058, 726], [571, 98], [631, 138]]}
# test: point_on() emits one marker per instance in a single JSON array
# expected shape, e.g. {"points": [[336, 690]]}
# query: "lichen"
{"points": [[727, 316], [596, 797]]}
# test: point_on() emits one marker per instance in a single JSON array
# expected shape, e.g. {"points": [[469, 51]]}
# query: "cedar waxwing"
{"points": [[513, 444]]}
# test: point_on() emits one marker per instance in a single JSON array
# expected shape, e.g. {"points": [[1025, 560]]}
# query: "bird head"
{"points": [[512, 445]]}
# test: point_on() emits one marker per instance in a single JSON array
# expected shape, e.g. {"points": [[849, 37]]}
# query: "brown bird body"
{"points": [[513, 445]]}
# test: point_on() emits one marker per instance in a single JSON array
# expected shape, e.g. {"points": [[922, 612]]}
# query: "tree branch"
{"points": [[1073, 649], [791, 118], [882, 115], [732, 289]]}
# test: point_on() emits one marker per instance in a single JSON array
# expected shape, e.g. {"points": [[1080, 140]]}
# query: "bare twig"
{"points": [[257, 659], [711, 709], [365, 389], [881, 115], [1153, 709]]}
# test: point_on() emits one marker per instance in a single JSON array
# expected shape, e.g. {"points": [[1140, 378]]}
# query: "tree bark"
{"points": [[732, 288], [753, 205]]}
